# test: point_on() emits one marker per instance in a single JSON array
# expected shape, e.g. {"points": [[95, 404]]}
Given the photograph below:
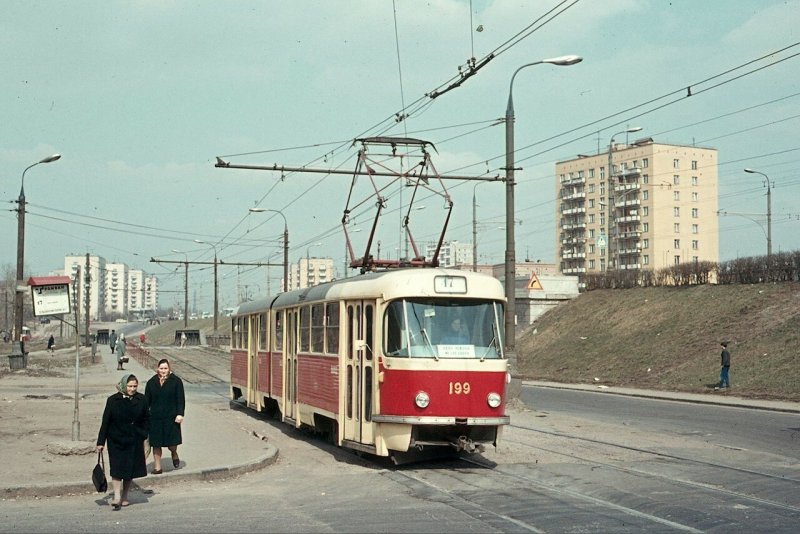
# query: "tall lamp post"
{"points": [[185, 287], [216, 283], [510, 260], [769, 212], [610, 195], [18, 348], [285, 245]]}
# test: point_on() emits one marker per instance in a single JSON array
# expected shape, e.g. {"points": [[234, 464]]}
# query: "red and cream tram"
{"points": [[387, 362]]}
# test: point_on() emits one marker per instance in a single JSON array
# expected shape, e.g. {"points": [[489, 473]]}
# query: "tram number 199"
{"points": [[459, 388]]}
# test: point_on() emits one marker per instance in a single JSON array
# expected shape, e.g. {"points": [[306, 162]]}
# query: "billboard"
{"points": [[50, 295]]}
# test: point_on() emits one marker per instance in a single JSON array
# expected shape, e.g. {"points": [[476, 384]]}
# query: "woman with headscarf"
{"points": [[126, 421], [165, 397]]}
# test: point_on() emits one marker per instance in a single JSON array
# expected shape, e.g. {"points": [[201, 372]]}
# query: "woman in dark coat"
{"points": [[165, 397], [124, 428]]}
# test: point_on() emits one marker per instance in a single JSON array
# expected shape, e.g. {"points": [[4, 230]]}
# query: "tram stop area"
{"points": [[191, 337]]}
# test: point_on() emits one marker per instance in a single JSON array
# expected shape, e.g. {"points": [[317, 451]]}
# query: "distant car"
{"points": [[44, 320], [120, 320]]}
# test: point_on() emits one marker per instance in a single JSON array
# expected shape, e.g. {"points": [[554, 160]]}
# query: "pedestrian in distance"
{"points": [[724, 378], [121, 348], [126, 421], [183, 339], [51, 344], [167, 402], [112, 340]]}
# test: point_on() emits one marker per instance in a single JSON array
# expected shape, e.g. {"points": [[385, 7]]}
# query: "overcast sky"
{"points": [[141, 97]]}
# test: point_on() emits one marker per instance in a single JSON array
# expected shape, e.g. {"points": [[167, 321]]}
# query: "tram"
{"points": [[389, 363]]}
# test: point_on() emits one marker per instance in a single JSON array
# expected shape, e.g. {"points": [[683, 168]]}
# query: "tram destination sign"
{"points": [[50, 295]]}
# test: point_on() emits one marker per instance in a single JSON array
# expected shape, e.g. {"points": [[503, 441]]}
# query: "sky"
{"points": [[140, 98]]}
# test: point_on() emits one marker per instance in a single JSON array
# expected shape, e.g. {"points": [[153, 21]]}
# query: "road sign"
{"points": [[50, 295], [534, 282]]}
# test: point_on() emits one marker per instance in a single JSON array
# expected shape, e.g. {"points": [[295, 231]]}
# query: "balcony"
{"points": [[631, 266], [574, 270], [573, 255], [627, 219], [573, 211], [574, 226], [579, 195]]}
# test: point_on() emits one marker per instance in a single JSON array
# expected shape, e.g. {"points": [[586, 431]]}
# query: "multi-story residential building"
{"points": [[310, 271], [451, 254], [116, 304], [96, 282], [657, 207], [142, 294]]}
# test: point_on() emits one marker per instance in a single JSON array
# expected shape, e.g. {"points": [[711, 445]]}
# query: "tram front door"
{"points": [[359, 372]]}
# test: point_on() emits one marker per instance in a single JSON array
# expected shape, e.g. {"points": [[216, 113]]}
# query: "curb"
{"points": [[85, 488]]}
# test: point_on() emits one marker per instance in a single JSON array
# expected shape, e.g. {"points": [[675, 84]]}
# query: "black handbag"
{"points": [[99, 474]]}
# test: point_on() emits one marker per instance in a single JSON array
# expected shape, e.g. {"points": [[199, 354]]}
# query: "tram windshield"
{"points": [[444, 328]]}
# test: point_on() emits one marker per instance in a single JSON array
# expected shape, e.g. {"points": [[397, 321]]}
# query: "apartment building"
{"points": [[656, 207], [142, 293], [310, 271], [451, 254], [96, 283]]}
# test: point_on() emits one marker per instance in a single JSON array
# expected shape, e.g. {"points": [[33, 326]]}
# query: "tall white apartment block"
{"points": [[310, 271], [116, 290], [97, 282], [451, 254]]}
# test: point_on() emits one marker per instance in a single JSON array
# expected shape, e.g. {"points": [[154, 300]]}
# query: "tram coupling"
{"points": [[467, 445]]}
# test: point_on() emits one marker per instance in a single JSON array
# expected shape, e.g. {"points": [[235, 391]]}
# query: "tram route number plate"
{"points": [[450, 284]]}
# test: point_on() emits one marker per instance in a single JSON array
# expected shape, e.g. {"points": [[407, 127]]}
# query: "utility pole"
{"points": [[87, 278]]}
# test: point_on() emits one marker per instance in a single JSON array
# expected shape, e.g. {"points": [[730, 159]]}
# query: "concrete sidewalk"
{"points": [[724, 398], [37, 414]]}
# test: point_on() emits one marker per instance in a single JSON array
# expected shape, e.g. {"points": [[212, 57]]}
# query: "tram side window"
{"points": [[317, 328], [332, 327], [243, 322], [305, 328], [234, 333], [394, 331], [279, 331], [368, 331], [262, 330]]}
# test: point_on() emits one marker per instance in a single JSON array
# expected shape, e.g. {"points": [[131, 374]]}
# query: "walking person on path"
{"points": [[121, 348], [112, 340], [51, 344], [123, 430], [167, 403], [724, 379]]}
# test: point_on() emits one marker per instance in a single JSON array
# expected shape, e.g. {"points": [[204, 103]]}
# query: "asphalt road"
{"points": [[578, 462]]}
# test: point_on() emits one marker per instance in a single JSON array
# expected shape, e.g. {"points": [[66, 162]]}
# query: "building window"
{"points": [[602, 173], [695, 259], [591, 233], [695, 196], [591, 264], [646, 259], [694, 165], [602, 219], [676, 164], [677, 260], [645, 163], [695, 213], [591, 202], [645, 195], [676, 211], [561, 177], [695, 229], [676, 227], [645, 211], [645, 227], [676, 180], [695, 244], [694, 180], [591, 249], [602, 189], [676, 196], [645, 243], [591, 173], [591, 188], [591, 218], [676, 243]]}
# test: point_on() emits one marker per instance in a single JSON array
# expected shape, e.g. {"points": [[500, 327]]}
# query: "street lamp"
{"points": [[19, 295], [610, 195], [769, 212], [216, 284], [510, 266], [285, 245], [185, 287]]}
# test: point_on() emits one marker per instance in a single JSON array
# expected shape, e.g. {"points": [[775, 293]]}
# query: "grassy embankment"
{"points": [[668, 339]]}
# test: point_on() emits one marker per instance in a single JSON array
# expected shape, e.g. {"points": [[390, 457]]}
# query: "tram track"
{"points": [[195, 365]]}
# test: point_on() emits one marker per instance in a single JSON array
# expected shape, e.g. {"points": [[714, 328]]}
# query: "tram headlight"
{"points": [[493, 399], [422, 399]]}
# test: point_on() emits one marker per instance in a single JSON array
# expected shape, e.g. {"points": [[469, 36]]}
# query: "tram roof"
{"points": [[386, 284]]}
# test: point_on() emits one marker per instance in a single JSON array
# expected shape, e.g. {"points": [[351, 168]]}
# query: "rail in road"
{"points": [[194, 364]]}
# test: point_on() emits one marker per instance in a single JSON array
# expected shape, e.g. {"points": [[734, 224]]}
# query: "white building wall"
{"points": [[116, 304], [97, 283]]}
